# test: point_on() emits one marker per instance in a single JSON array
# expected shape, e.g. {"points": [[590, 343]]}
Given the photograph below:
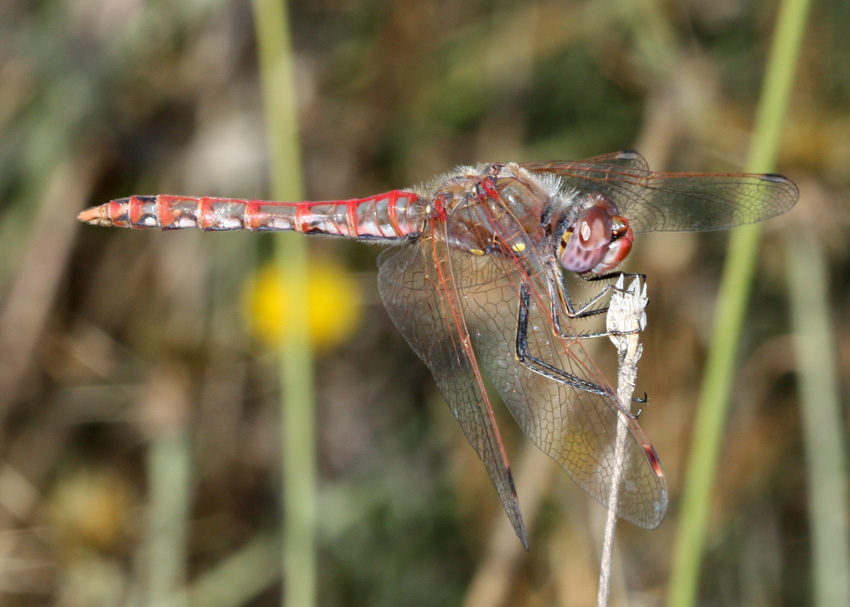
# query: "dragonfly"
{"points": [[474, 279]]}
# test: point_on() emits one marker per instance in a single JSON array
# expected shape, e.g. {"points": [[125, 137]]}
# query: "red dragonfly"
{"points": [[475, 283]]}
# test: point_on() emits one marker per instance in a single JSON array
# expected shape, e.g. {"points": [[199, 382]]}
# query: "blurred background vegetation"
{"points": [[138, 392]]}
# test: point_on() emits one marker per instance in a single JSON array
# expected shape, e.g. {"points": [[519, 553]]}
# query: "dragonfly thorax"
{"points": [[493, 208]]}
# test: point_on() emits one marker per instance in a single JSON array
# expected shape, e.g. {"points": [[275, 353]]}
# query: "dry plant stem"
{"points": [[625, 313], [494, 576], [30, 293]]}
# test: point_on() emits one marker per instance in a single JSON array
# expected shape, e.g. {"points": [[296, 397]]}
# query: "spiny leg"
{"points": [[584, 311], [541, 367]]}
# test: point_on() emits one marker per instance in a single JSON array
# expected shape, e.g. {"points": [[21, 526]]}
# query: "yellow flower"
{"points": [[333, 302], [91, 511]]}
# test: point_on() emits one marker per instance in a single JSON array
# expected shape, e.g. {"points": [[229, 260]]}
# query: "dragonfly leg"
{"points": [[643, 400], [584, 311], [616, 276], [543, 368], [625, 276]]}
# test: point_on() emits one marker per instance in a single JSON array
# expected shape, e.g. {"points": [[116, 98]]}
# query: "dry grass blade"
{"points": [[32, 291], [625, 313]]}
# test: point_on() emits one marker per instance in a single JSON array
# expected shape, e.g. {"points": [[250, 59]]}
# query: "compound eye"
{"points": [[583, 247]]}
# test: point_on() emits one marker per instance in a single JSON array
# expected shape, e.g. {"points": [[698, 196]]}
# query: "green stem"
{"points": [[169, 469], [298, 417], [239, 578], [820, 408], [169, 479], [732, 299]]}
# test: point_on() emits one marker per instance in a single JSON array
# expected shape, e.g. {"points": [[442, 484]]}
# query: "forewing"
{"points": [[675, 201], [418, 287], [575, 427]]}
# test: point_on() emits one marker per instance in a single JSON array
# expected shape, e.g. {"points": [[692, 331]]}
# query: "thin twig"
{"points": [[625, 313], [495, 573], [31, 292]]}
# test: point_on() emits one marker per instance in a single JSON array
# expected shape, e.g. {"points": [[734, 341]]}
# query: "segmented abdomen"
{"points": [[390, 216]]}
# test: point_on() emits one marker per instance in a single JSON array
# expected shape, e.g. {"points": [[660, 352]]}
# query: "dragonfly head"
{"points": [[598, 240]]}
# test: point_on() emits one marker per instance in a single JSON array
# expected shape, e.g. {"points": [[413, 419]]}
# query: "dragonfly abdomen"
{"points": [[390, 216]]}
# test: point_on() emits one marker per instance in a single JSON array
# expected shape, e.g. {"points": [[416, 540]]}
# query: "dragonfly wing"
{"points": [[575, 427], [676, 201], [418, 288], [625, 160], [626, 164]]}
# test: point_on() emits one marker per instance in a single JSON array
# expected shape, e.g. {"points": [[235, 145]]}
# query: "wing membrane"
{"points": [[676, 201], [418, 287], [460, 311], [574, 427]]}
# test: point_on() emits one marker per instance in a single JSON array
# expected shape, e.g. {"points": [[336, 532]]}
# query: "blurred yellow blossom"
{"points": [[91, 510], [333, 300]]}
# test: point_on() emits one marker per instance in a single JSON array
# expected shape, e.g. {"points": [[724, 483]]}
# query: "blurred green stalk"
{"points": [[169, 473], [298, 446], [239, 578], [732, 300], [823, 427]]}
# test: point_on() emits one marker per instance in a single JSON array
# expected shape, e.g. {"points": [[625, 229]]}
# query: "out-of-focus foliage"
{"points": [[116, 345]]}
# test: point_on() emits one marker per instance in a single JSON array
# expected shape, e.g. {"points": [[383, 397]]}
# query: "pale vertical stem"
{"points": [[820, 408], [169, 466], [732, 299], [169, 479], [625, 313], [297, 418]]}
